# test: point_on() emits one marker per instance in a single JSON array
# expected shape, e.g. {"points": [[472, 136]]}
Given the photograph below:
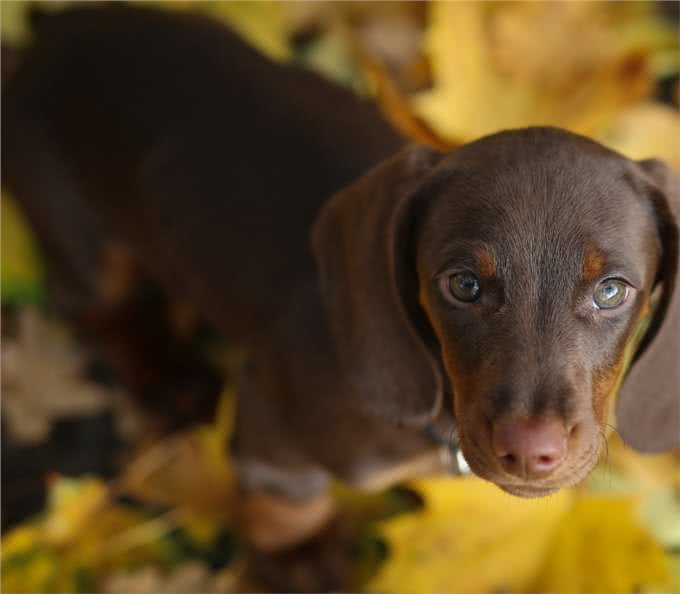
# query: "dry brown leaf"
{"points": [[42, 381], [189, 470], [192, 576]]}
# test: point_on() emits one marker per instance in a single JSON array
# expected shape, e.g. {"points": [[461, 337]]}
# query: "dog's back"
{"points": [[206, 160]]}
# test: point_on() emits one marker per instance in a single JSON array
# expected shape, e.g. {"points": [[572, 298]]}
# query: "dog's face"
{"points": [[535, 270], [517, 271]]}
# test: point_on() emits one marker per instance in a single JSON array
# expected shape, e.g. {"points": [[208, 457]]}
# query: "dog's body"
{"points": [[168, 147], [171, 148]]}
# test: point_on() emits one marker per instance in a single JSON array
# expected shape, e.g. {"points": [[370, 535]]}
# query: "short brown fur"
{"points": [[353, 350]]}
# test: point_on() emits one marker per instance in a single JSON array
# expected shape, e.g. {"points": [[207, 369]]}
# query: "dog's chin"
{"points": [[527, 491]]}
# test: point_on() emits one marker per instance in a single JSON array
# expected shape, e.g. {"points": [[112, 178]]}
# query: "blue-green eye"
{"points": [[610, 293], [464, 286]]}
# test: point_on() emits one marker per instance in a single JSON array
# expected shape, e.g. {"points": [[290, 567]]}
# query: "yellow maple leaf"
{"points": [[470, 537], [499, 65], [81, 535], [600, 546], [646, 130]]}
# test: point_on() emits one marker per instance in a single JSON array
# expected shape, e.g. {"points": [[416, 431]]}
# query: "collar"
{"points": [[449, 451]]}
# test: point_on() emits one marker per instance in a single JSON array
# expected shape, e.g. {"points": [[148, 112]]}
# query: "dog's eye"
{"points": [[610, 293], [464, 286]]}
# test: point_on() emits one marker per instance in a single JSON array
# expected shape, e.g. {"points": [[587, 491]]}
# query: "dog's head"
{"points": [[516, 273]]}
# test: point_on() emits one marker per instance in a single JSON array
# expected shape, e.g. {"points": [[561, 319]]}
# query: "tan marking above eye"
{"points": [[594, 264], [486, 261]]}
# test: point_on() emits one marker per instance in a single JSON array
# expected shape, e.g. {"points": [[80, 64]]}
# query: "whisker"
{"points": [[615, 429], [452, 446], [607, 467], [453, 435]]}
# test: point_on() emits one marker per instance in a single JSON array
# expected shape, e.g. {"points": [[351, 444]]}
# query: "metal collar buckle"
{"points": [[451, 455]]}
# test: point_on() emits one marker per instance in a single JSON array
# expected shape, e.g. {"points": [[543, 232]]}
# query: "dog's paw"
{"points": [[322, 563]]}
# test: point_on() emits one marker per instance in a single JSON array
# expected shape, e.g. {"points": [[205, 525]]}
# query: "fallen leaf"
{"points": [[601, 546], [490, 75], [646, 130], [22, 275], [69, 545], [72, 504], [42, 381], [469, 537], [190, 470], [191, 576], [262, 24]]}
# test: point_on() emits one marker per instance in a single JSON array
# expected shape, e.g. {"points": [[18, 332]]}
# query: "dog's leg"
{"points": [[296, 545], [283, 492], [272, 522], [297, 539], [93, 282]]}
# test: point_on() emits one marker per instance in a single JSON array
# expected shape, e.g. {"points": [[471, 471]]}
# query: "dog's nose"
{"points": [[530, 449]]}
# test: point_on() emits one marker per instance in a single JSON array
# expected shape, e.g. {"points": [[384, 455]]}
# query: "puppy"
{"points": [[489, 299]]}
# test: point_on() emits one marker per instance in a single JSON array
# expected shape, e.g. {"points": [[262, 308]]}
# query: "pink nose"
{"points": [[530, 449]]}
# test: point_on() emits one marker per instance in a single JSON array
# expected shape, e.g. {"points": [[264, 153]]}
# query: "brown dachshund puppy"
{"points": [[501, 285]]}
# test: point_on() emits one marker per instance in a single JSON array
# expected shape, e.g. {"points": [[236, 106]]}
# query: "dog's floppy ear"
{"points": [[360, 244], [648, 407]]}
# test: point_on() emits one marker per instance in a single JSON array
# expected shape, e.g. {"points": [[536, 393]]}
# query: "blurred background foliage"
{"points": [[92, 502]]}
